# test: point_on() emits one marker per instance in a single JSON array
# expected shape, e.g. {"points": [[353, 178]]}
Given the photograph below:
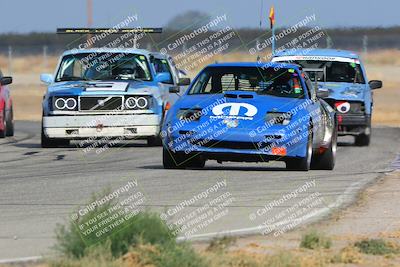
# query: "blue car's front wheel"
{"points": [[303, 163], [173, 160]]}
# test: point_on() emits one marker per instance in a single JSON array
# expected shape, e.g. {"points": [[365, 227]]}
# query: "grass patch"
{"points": [[315, 240], [140, 240], [376, 247], [349, 254], [221, 244]]}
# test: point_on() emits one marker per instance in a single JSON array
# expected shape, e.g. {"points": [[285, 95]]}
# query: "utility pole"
{"points": [[365, 44], [89, 17], [10, 68], [45, 57]]}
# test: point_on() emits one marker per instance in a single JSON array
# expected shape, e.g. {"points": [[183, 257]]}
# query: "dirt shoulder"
{"points": [[376, 215]]}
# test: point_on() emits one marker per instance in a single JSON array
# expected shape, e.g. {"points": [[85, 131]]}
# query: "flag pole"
{"points": [[272, 24], [273, 39]]}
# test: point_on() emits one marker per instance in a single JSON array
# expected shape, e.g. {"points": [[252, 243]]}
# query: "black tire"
{"points": [[363, 140], [52, 142], [197, 162], [154, 141], [304, 163], [172, 160], [10, 124], [180, 161], [326, 161], [4, 131]]}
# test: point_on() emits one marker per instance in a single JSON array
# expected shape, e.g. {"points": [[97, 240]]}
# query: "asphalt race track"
{"points": [[41, 187]]}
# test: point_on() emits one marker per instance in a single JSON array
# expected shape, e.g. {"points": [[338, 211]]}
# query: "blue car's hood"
{"points": [[345, 91], [262, 103], [88, 88]]}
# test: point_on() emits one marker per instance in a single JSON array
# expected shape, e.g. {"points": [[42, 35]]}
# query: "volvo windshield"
{"points": [[103, 66]]}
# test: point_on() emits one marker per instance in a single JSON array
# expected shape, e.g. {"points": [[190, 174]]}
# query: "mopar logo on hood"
{"points": [[233, 110]]}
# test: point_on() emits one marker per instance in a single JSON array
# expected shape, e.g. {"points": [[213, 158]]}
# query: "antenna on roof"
{"points": [[108, 31]]}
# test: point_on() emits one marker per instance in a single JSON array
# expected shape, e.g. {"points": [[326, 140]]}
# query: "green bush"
{"points": [[313, 240], [167, 255], [133, 237], [145, 226], [376, 247]]}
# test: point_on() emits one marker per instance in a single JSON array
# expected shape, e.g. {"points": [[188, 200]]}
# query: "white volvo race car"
{"points": [[112, 93]]}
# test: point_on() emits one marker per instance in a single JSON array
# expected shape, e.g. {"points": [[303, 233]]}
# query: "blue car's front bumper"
{"points": [[238, 144]]}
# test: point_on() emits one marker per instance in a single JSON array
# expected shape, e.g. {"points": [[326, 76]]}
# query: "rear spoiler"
{"points": [[107, 30]]}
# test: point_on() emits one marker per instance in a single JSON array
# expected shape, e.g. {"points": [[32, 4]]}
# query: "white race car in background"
{"points": [[110, 93]]}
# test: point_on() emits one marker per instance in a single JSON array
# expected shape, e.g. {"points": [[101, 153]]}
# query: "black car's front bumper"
{"points": [[353, 124]]}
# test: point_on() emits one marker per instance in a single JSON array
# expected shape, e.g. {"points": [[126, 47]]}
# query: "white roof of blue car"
{"points": [[318, 52], [108, 50]]}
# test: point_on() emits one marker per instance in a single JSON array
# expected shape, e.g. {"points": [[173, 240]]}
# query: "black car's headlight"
{"points": [[278, 118], [189, 114], [137, 102], [65, 103]]}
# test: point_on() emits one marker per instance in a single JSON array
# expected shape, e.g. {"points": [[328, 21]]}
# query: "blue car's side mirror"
{"points": [[164, 77], [46, 78]]}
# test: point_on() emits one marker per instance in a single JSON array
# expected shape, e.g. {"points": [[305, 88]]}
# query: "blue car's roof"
{"points": [[318, 52], [108, 50], [254, 64]]}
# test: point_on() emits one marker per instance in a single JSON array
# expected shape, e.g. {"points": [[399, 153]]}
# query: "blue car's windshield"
{"points": [[103, 66], [335, 71], [282, 82]]}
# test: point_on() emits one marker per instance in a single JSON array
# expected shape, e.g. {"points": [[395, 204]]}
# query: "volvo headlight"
{"points": [[278, 118], [65, 103], [137, 102]]}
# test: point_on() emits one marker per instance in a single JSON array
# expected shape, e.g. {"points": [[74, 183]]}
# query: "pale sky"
{"points": [[46, 15]]}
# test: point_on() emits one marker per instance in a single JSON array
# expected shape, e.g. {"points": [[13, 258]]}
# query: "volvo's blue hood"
{"points": [[100, 87], [345, 91]]}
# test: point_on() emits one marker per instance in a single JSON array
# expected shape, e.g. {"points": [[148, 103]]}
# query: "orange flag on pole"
{"points": [[272, 16]]}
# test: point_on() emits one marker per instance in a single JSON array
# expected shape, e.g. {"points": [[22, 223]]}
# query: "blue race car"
{"points": [[350, 93], [251, 112]]}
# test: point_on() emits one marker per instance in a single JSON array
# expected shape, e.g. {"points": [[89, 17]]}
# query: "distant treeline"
{"points": [[342, 38]]}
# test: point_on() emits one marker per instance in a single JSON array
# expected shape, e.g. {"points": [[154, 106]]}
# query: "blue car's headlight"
{"points": [[278, 118], [189, 114]]}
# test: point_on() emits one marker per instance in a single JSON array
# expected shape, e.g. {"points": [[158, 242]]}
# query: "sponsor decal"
{"points": [[351, 91], [234, 111], [318, 58], [343, 107], [231, 123]]}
